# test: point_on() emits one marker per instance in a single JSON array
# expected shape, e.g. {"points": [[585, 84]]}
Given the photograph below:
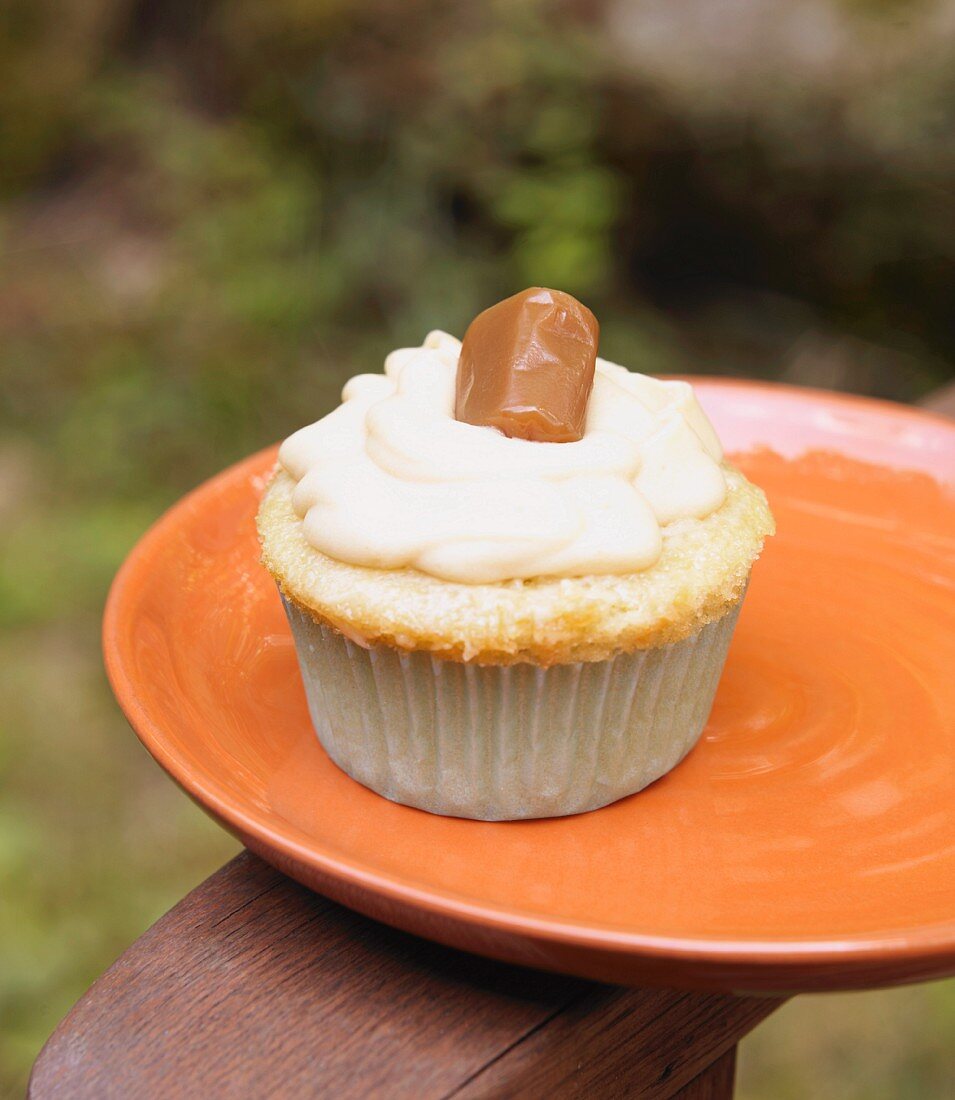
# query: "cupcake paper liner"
{"points": [[506, 742]]}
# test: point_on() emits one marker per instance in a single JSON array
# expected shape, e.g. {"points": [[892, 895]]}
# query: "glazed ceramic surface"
{"points": [[808, 842]]}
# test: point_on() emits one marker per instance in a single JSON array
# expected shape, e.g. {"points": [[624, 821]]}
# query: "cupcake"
{"points": [[511, 569]]}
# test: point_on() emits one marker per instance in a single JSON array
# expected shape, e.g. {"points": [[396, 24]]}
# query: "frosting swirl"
{"points": [[391, 480]]}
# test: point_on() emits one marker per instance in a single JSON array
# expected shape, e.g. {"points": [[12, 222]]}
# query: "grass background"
{"points": [[210, 218]]}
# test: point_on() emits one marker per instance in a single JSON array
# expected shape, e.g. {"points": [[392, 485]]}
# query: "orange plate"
{"points": [[807, 843]]}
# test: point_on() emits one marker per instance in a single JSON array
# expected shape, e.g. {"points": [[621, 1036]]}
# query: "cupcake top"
{"points": [[512, 498], [391, 479]]}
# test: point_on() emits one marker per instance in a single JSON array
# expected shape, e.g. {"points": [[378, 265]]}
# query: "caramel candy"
{"points": [[527, 367]]}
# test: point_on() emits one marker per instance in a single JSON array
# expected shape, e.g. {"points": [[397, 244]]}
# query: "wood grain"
{"points": [[255, 987], [622, 1042], [715, 1083]]}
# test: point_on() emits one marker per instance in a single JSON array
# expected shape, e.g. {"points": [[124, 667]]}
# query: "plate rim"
{"points": [[928, 943]]}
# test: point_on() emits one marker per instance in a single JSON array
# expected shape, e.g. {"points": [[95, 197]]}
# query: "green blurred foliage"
{"points": [[212, 215]]}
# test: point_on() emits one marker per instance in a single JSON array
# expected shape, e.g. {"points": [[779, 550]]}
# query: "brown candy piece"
{"points": [[527, 367]]}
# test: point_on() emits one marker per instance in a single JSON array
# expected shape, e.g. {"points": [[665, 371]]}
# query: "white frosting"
{"points": [[391, 480]]}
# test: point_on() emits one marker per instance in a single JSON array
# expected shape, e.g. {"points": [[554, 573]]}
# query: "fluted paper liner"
{"points": [[505, 742]]}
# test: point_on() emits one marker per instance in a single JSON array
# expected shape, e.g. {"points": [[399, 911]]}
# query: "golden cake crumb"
{"points": [[700, 574]]}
